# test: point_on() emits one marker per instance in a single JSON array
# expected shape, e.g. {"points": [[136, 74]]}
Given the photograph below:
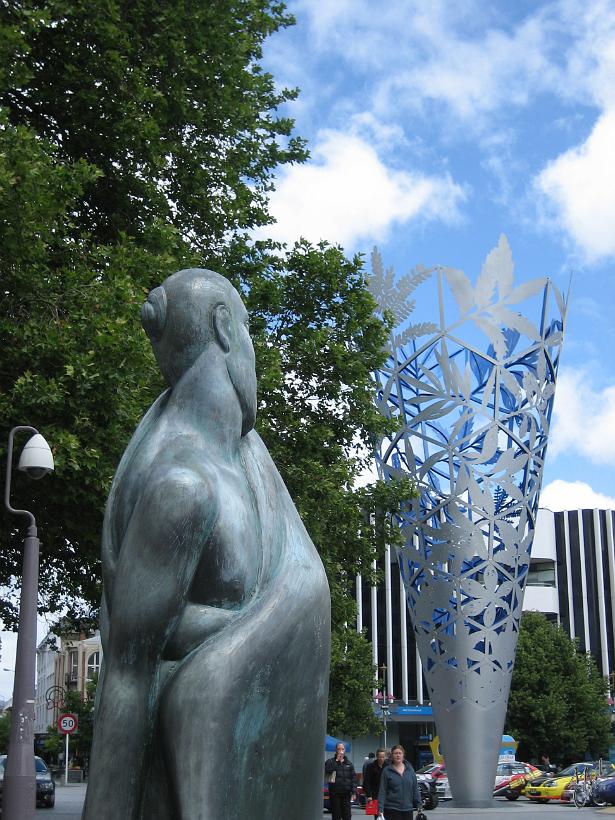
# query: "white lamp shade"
{"points": [[36, 457]]}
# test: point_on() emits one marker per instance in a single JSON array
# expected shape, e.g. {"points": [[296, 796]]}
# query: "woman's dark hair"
{"points": [[398, 746]]}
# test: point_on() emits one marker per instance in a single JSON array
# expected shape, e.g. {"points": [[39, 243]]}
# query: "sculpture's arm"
{"points": [[169, 527], [196, 624]]}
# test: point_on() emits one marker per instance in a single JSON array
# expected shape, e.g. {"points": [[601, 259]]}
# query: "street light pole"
{"points": [[384, 707], [19, 790]]}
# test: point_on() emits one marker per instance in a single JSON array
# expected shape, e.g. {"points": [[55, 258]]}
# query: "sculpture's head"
{"points": [[191, 310]]}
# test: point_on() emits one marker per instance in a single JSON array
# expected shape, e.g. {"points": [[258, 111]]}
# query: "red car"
{"points": [[512, 777], [436, 770]]}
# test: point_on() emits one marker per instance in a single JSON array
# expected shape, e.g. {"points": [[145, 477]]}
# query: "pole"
{"points": [[66, 760], [385, 703], [19, 792]]}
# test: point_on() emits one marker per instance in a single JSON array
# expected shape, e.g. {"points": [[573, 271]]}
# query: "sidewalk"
{"points": [[69, 804]]}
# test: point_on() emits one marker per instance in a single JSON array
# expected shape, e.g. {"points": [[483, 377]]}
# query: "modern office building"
{"points": [[571, 580], [577, 547]]}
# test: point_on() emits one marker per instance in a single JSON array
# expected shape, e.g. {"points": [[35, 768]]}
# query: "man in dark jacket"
{"points": [[340, 774], [373, 773]]}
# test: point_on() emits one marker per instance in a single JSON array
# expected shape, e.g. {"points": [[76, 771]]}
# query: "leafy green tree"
{"points": [[352, 674], [558, 699], [5, 731], [167, 100], [80, 742], [137, 138], [132, 137], [53, 743]]}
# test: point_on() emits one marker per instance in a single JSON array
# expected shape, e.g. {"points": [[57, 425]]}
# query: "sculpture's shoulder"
{"points": [[181, 484], [169, 485]]}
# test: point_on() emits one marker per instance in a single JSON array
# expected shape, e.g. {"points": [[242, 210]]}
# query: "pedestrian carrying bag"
{"points": [[371, 807]]}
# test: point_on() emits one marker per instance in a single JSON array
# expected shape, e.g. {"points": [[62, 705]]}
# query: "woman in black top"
{"points": [[342, 786]]}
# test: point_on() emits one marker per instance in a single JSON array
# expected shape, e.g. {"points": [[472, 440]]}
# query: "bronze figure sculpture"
{"points": [[216, 615]]}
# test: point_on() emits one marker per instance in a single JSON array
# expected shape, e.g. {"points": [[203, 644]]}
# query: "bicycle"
{"points": [[585, 792]]}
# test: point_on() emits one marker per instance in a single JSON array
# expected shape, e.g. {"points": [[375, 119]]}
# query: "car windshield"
{"points": [[432, 767], [39, 764], [569, 770], [574, 768]]}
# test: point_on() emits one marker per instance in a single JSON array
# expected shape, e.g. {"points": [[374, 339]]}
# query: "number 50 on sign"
{"points": [[67, 724]]}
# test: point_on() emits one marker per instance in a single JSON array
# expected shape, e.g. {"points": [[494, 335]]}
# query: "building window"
{"points": [[73, 665], [93, 665], [541, 574]]}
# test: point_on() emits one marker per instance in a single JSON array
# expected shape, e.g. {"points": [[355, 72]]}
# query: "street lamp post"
{"points": [[19, 791], [384, 700]]}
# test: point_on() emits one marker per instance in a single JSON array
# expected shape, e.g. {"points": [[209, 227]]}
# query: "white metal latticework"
{"points": [[472, 429]]}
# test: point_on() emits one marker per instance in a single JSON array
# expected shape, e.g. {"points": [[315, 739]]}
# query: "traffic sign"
{"points": [[67, 723]]}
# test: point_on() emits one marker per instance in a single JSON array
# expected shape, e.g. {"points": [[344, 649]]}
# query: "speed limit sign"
{"points": [[67, 723]]}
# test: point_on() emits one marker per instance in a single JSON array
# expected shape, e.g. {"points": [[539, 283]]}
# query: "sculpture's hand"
{"points": [[168, 530], [197, 623]]}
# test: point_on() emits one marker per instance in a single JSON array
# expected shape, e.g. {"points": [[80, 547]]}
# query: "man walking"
{"points": [[373, 773]]}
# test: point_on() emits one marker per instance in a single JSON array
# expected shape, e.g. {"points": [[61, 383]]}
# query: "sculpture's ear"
{"points": [[222, 321]]}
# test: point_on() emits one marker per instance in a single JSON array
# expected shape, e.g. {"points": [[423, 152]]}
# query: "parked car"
{"points": [[605, 789], [429, 794], [435, 770], [45, 786], [559, 786], [443, 789], [598, 771], [512, 777]]}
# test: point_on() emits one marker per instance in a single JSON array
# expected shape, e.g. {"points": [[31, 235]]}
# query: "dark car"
{"points": [[45, 787], [605, 789], [427, 785]]}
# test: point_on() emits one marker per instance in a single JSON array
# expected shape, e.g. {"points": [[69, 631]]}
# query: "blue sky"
{"points": [[434, 127]]}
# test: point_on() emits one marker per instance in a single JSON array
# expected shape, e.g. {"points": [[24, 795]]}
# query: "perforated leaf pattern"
{"points": [[474, 439]]}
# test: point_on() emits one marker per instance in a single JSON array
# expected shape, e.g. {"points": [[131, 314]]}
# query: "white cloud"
{"points": [[573, 495], [474, 72], [471, 57], [383, 135], [584, 418], [590, 55], [347, 193], [474, 75], [580, 187]]}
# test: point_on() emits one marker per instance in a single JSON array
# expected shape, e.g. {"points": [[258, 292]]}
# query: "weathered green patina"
{"points": [[216, 613]]}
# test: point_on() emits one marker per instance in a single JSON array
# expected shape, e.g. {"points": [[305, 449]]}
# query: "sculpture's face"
{"points": [[241, 364]]}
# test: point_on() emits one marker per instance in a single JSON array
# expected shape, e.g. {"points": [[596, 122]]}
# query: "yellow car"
{"points": [[553, 787]]}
